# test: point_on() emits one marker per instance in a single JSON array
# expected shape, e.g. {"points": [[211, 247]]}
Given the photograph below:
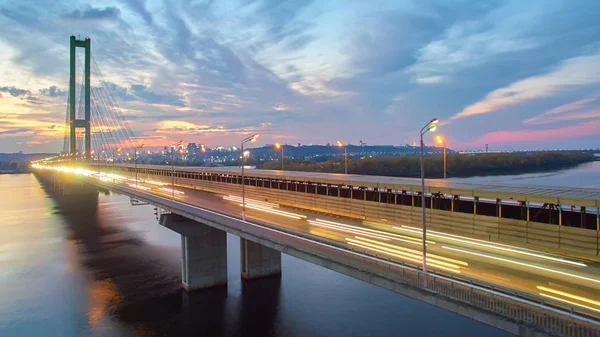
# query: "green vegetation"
{"points": [[458, 165]]}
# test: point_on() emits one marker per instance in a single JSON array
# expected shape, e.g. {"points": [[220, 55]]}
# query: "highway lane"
{"points": [[564, 279]]}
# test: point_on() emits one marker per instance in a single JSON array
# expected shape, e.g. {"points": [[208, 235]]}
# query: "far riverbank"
{"points": [[483, 164]]}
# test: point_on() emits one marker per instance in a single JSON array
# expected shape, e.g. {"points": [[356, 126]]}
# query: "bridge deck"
{"points": [[588, 197]]}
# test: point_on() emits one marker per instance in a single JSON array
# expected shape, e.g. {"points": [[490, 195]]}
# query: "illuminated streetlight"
{"points": [[173, 168], [431, 126], [135, 158], [113, 162], [244, 141], [98, 157], [340, 144], [279, 146], [441, 140]]}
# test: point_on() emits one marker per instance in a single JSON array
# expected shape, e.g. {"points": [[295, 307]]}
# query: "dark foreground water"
{"points": [[116, 273]]}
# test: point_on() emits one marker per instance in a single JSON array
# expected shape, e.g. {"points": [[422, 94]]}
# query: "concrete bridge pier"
{"points": [[78, 189], [258, 261], [203, 252]]}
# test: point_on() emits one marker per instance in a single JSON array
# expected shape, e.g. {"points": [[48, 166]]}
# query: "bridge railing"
{"points": [[519, 307]]}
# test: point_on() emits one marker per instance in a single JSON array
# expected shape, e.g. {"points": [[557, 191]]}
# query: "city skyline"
{"points": [[511, 74]]}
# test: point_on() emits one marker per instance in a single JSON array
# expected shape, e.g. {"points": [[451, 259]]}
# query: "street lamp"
{"points": [[279, 146], [173, 168], [184, 155], [113, 162], [340, 144], [431, 126], [244, 141], [441, 140], [135, 158]]}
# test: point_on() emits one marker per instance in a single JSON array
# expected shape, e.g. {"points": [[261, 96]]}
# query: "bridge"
{"points": [[524, 259]]}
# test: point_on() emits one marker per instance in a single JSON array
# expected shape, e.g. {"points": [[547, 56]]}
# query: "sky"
{"points": [[511, 74]]}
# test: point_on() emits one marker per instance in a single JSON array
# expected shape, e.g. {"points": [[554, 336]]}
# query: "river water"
{"points": [[116, 272]]}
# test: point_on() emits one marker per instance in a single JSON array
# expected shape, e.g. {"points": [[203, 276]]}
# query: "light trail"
{"points": [[575, 297], [115, 176], [418, 261], [274, 211], [358, 231], [524, 264], [154, 182], [569, 302], [248, 200], [394, 236], [414, 251], [482, 243], [140, 187], [263, 206], [400, 252], [171, 190]]}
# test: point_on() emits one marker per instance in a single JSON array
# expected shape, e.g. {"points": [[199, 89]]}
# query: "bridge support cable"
{"points": [[113, 109], [104, 128], [66, 135], [111, 123]]}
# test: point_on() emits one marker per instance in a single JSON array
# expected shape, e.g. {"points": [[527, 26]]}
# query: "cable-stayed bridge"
{"points": [[520, 258]]}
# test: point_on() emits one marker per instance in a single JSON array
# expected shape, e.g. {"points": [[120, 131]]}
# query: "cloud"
{"points": [[232, 65], [15, 92], [492, 31], [532, 136], [14, 131], [91, 13], [151, 97], [52, 91], [577, 71], [139, 7], [21, 14], [550, 115], [188, 128]]}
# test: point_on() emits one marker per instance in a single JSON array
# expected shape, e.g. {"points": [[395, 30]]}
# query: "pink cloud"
{"points": [[577, 71], [519, 136], [569, 107]]}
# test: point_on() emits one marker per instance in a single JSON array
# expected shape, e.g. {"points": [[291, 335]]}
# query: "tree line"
{"points": [[457, 165]]}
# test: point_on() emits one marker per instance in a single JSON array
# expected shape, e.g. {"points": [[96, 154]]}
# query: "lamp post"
{"points": [[340, 144], [277, 146], [135, 158], [113, 162], [173, 168], [431, 126], [441, 140], [244, 141]]}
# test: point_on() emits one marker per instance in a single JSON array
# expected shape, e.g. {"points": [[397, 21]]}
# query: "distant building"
{"points": [[192, 148]]}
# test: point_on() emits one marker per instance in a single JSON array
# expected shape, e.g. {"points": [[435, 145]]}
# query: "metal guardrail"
{"points": [[521, 308]]}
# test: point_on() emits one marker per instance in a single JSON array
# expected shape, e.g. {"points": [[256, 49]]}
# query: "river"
{"points": [[117, 273]]}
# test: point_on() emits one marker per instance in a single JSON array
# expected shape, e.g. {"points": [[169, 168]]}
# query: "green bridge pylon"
{"points": [[86, 122]]}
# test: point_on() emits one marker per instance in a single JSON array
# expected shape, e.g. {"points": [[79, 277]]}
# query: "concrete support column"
{"points": [[204, 258], [203, 252], [258, 260]]}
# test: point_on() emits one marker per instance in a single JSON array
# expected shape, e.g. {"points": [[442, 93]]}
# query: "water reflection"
{"points": [[259, 307]]}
